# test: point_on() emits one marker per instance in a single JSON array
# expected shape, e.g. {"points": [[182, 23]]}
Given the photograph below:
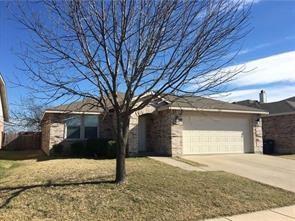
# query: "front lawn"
{"points": [[82, 189], [6, 166]]}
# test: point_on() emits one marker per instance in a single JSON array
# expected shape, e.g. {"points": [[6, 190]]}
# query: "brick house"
{"points": [[3, 108], [171, 126], [279, 125]]}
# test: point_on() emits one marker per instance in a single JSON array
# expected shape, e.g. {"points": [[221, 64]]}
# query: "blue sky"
{"points": [[270, 45], [273, 30], [269, 52]]}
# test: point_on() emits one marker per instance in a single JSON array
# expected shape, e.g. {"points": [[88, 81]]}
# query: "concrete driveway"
{"points": [[275, 171]]}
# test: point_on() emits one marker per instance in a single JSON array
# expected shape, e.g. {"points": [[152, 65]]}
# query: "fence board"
{"points": [[22, 141]]}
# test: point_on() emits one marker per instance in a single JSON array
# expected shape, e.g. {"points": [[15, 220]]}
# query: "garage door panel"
{"points": [[205, 134]]}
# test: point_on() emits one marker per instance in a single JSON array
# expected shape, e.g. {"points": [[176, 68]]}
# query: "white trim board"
{"points": [[213, 110]]}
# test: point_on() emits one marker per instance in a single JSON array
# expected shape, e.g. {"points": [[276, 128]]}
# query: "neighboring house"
{"points": [[279, 125], [190, 125], [3, 108]]}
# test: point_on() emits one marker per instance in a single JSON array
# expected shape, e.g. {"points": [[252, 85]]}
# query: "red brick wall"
{"points": [[282, 130]]}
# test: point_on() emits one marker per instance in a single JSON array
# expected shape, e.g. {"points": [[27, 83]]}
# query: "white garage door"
{"points": [[213, 133]]}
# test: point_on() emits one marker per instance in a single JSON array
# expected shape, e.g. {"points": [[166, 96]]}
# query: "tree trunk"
{"points": [[122, 140]]}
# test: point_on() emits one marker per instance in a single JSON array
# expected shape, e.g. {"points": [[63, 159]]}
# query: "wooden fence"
{"points": [[21, 141]]}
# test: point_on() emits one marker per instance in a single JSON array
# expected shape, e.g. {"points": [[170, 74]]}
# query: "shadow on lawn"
{"points": [[22, 155], [13, 192], [38, 155]]}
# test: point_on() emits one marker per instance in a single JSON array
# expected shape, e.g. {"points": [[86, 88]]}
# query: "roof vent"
{"points": [[262, 96]]}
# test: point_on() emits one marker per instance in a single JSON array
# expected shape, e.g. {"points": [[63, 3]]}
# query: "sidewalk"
{"points": [[278, 214]]}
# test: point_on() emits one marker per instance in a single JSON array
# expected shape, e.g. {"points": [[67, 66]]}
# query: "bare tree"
{"points": [[94, 49], [27, 115]]}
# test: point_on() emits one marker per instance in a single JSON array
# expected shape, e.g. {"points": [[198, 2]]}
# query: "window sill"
{"points": [[78, 139], [74, 139]]}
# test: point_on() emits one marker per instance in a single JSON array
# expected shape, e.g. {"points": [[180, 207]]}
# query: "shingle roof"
{"points": [[207, 103], [279, 107], [87, 105]]}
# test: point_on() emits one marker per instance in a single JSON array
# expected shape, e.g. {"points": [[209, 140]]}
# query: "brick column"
{"points": [[257, 134], [176, 133]]}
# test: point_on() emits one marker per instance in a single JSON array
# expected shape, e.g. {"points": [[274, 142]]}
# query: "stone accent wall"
{"points": [[57, 129], [257, 134], [133, 135], [281, 129], [56, 134], [176, 133]]}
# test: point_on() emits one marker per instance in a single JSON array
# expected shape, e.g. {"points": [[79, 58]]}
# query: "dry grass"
{"points": [[79, 189]]}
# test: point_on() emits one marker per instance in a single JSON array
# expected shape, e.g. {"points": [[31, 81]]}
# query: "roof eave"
{"points": [[68, 112], [213, 110], [281, 114]]}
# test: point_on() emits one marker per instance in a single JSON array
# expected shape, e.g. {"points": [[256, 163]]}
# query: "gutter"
{"points": [[212, 110], [281, 114]]}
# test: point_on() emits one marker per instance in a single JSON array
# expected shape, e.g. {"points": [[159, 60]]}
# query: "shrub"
{"points": [[78, 149], [57, 149], [94, 147], [101, 148], [111, 149]]}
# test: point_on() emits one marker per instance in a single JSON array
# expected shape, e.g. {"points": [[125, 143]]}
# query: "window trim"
{"points": [[82, 128]]}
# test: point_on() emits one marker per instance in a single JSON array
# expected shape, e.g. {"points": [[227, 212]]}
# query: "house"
{"points": [[169, 126], [279, 125], [3, 108]]}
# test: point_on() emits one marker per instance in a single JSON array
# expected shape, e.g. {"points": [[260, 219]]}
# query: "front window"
{"points": [[82, 127], [73, 124], [90, 126]]}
